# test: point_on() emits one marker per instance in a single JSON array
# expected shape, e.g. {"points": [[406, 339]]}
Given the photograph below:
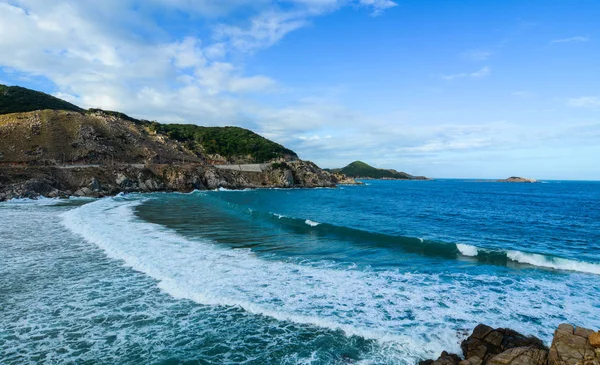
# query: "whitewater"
{"points": [[310, 275]]}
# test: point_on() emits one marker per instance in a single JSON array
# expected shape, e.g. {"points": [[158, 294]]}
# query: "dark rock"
{"points": [[485, 342], [95, 185], [444, 359]]}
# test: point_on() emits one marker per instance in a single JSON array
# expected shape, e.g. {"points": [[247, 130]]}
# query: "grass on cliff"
{"points": [[225, 141], [16, 99]]}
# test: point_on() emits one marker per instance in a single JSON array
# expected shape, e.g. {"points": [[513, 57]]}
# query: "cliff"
{"points": [[66, 150]]}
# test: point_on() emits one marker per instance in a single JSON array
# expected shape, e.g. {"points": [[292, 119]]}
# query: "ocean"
{"points": [[385, 273]]}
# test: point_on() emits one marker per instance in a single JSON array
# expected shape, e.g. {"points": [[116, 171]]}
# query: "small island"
{"points": [[517, 179]]}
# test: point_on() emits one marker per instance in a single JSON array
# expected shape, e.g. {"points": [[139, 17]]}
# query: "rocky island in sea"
{"points": [[52, 148], [517, 179]]}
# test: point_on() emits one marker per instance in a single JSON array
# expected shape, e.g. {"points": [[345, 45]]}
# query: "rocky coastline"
{"points": [[98, 181], [502, 346]]}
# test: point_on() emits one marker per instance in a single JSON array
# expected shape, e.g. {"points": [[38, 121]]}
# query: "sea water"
{"points": [[385, 273]]}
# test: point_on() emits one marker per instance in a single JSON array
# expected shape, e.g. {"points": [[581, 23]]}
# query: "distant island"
{"points": [[50, 147], [362, 170], [517, 179]]}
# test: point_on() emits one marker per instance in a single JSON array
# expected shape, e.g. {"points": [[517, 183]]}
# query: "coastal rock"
{"points": [[572, 346], [486, 342], [471, 361], [122, 180], [520, 356], [444, 359], [594, 339], [95, 185]]}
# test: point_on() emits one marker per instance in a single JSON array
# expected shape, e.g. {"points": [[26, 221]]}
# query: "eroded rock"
{"points": [[571, 346], [486, 342], [520, 356]]}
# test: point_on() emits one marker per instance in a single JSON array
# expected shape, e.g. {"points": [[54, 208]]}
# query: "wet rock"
{"points": [[486, 342], [84, 192], [572, 347], [520, 356]]}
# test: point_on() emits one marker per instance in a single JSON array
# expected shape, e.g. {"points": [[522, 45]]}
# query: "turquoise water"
{"points": [[386, 273]]}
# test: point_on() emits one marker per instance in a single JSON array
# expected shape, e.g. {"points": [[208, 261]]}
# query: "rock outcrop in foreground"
{"points": [[502, 346]]}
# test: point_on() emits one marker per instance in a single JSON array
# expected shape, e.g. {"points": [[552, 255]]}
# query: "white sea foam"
{"points": [[417, 314], [553, 262], [467, 250], [311, 223], [39, 201]]}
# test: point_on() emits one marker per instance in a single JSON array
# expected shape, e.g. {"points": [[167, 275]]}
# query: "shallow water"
{"points": [[381, 274]]}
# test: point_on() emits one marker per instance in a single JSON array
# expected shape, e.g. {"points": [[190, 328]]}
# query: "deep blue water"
{"points": [[385, 273]]}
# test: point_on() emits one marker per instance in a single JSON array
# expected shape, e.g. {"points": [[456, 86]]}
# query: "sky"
{"points": [[446, 89]]}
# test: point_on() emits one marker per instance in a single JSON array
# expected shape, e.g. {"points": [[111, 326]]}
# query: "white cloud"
{"points": [[585, 102], [477, 54], [378, 6], [264, 30], [485, 71], [571, 39]]}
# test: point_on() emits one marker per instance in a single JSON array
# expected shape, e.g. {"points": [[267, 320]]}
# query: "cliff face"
{"points": [[62, 153]]}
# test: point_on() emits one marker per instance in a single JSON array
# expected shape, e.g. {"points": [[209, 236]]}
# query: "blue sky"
{"points": [[481, 89]]}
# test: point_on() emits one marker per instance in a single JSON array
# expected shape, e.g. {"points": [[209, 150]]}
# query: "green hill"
{"points": [[229, 142], [233, 144], [16, 99], [359, 169]]}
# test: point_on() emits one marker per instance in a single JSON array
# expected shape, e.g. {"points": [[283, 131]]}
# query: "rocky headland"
{"points": [[51, 148], [503, 346], [362, 170]]}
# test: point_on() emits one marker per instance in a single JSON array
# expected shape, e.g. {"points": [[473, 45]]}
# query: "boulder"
{"points": [[572, 346], [486, 342], [520, 356]]}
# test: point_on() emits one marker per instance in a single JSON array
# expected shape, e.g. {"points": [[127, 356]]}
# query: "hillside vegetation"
{"points": [[16, 99], [95, 134], [229, 142], [359, 169]]}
